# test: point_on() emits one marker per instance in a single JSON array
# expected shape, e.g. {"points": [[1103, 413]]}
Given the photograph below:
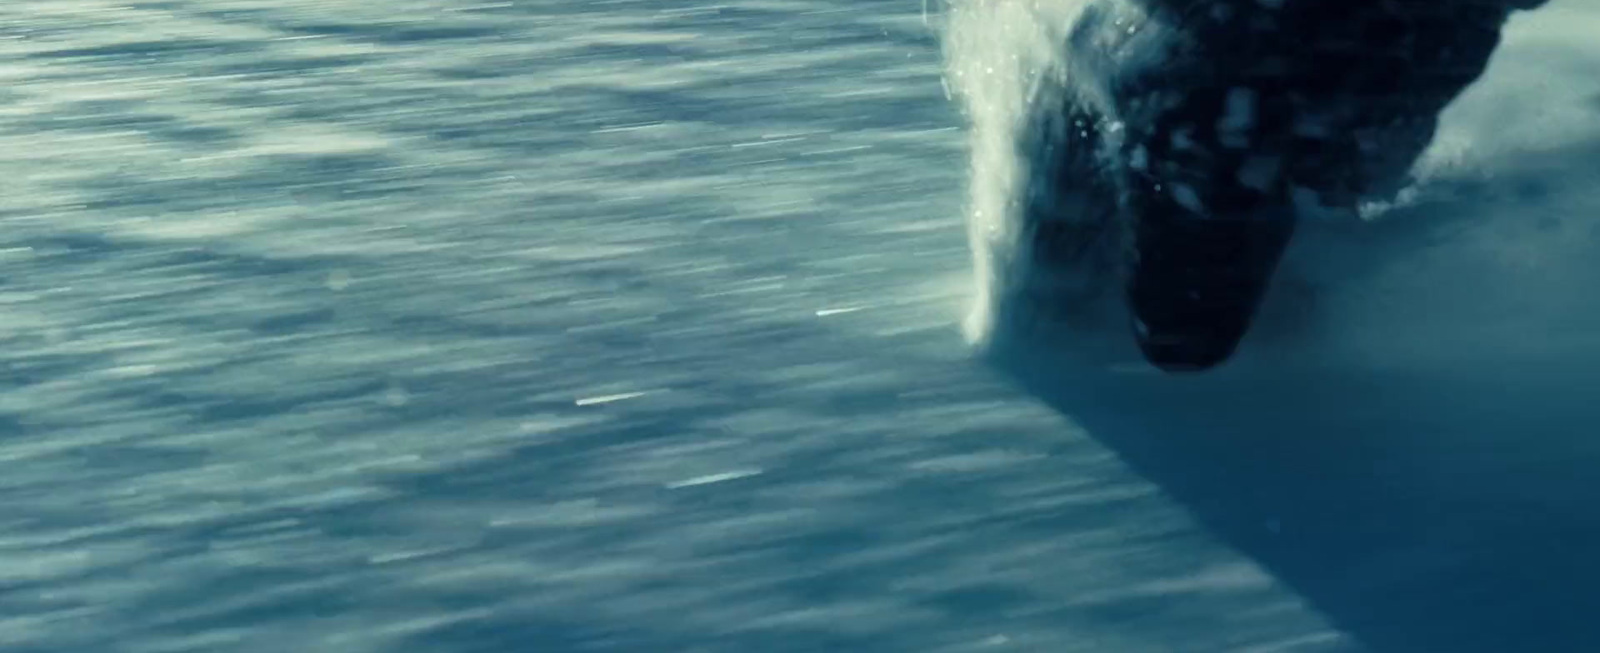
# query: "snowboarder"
{"points": [[1224, 122]]}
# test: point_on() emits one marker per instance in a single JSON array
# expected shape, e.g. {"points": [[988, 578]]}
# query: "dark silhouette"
{"points": [[1212, 127]]}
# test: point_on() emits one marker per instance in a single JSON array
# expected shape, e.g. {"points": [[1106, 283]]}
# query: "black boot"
{"points": [[1236, 117]]}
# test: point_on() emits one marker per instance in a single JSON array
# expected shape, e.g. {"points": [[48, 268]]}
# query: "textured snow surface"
{"points": [[436, 325]]}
